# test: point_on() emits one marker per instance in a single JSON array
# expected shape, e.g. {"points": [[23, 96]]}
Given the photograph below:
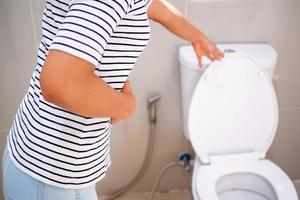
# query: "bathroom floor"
{"points": [[173, 195], [177, 195]]}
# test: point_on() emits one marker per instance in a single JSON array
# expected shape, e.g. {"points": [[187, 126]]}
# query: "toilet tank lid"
{"points": [[262, 52], [233, 110]]}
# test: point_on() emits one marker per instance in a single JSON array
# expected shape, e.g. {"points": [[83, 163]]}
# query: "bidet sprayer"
{"points": [[152, 102]]}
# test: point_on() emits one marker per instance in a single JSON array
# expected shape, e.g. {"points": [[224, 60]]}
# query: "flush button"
{"points": [[229, 50]]}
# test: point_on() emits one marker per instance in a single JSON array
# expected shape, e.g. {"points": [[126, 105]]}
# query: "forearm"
{"points": [[93, 98], [179, 26], [173, 20], [69, 83]]}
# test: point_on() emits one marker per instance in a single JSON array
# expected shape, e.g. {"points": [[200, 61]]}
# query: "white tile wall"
{"points": [[157, 70]]}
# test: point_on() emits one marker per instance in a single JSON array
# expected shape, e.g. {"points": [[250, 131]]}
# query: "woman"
{"points": [[58, 145]]}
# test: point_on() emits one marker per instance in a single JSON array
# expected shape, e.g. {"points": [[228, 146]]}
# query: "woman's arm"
{"points": [[69, 82], [172, 19]]}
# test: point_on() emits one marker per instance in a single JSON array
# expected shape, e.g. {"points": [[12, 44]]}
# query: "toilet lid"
{"points": [[233, 110]]}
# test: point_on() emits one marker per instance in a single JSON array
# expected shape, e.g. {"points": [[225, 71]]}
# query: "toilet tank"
{"points": [[190, 71]]}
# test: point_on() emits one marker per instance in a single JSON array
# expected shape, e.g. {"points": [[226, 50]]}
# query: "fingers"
{"points": [[208, 49], [218, 54], [199, 56], [210, 55], [215, 53], [199, 53]]}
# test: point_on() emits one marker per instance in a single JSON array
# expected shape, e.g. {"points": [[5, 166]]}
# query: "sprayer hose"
{"points": [[143, 168]]}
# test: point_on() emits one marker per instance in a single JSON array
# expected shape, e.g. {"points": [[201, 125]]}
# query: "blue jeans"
{"points": [[18, 185]]}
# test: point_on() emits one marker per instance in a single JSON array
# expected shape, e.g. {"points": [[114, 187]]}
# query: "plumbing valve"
{"points": [[185, 160]]}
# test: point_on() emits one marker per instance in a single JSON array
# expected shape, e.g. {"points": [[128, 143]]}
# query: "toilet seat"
{"points": [[233, 110], [208, 175]]}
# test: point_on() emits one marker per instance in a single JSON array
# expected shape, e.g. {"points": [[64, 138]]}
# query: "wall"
{"points": [[273, 21]]}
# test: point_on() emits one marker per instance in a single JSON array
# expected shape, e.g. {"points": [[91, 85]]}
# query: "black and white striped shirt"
{"points": [[50, 143]]}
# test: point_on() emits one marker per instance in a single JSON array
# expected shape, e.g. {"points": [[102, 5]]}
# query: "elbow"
{"points": [[49, 89], [48, 95]]}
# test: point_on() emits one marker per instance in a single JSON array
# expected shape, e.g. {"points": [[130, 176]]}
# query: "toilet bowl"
{"points": [[231, 120], [247, 180]]}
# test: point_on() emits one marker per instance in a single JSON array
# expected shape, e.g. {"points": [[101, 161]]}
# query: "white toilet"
{"points": [[230, 115]]}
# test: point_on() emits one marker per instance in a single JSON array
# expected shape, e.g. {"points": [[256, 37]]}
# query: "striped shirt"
{"points": [[50, 143]]}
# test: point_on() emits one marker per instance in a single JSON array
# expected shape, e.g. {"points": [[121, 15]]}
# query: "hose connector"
{"points": [[185, 160]]}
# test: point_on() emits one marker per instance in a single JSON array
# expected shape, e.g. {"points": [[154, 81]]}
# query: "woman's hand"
{"points": [[127, 90], [205, 47], [171, 18]]}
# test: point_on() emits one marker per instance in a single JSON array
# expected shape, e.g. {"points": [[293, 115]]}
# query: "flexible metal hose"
{"points": [[162, 171]]}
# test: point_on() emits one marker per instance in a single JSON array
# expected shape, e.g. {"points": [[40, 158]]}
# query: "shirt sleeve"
{"points": [[87, 27], [148, 3]]}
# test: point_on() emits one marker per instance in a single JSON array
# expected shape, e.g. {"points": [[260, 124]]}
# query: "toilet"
{"points": [[230, 116]]}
